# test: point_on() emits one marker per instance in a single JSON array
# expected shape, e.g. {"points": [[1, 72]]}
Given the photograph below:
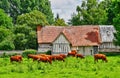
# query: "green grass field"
{"points": [[71, 68]]}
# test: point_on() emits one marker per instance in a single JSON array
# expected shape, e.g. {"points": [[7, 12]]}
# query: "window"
{"points": [[108, 33]]}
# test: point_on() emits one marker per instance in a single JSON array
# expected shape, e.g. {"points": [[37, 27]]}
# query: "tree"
{"points": [[59, 21], [32, 19], [90, 12], [6, 39], [25, 37], [75, 20], [116, 20], [5, 20], [26, 29], [20, 41], [18, 7], [107, 5], [7, 45]]}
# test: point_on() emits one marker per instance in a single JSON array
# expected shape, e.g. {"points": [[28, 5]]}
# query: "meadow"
{"points": [[71, 68]]}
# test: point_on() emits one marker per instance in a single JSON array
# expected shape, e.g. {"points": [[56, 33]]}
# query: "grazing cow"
{"points": [[49, 56], [45, 59], [15, 58], [80, 56], [45, 55], [20, 57], [53, 57], [41, 54], [40, 57], [100, 56], [63, 55], [35, 57], [60, 58], [30, 56], [57, 57], [72, 53]]}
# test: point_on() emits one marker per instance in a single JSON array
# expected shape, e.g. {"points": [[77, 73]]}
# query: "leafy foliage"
{"points": [[6, 39], [26, 29], [5, 20], [32, 19], [29, 51], [116, 22], [90, 12], [7, 45], [20, 41], [25, 37], [59, 21], [18, 7], [115, 7]]}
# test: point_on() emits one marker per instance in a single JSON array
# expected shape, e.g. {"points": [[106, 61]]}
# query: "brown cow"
{"points": [[45, 55], [15, 58], [100, 56], [35, 57], [40, 57], [72, 53], [57, 57], [20, 57], [41, 54], [49, 56], [63, 55], [45, 59], [30, 56], [80, 56], [53, 57]]}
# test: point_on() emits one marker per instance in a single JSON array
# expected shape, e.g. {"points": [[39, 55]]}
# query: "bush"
{"points": [[4, 55], [7, 45], [28, 51], [111, 53], [48, 52]]}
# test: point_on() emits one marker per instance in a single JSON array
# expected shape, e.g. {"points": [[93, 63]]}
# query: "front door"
{"points": [[95, 48]]}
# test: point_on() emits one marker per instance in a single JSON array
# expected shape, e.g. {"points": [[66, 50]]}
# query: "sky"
{"points": [[65, 8]]}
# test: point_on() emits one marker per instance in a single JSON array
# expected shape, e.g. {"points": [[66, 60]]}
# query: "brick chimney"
{"points": [[39, 27]]}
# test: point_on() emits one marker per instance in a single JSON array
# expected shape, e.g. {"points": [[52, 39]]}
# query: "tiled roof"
{"points": [[77, 35]]}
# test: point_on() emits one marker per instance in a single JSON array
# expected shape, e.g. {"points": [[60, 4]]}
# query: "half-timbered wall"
{"points": [[44, 47], [61, 45], [107, 45], [74, 48], [86, 50]]}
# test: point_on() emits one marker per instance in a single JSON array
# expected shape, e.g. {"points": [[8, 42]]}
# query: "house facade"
{"points": [[85, 39], [107, 37]]}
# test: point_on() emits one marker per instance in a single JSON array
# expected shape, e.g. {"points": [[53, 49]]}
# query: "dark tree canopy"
{"points": [[5, 20], [18, 7], [6, 39], [59, 21], [116, 20], [32, 19], [25, 37]]}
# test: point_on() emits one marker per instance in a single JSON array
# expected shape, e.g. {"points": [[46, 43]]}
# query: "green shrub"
{"points": [[28, 51], [111, 53], [48, 52], [7, 45], [4, 55]]}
